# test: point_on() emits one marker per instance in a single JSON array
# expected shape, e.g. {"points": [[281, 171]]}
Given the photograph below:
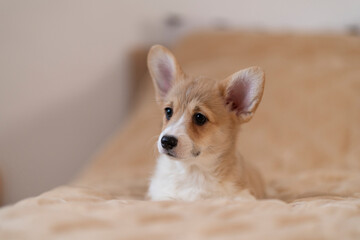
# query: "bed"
{"points": [[304, 138]]}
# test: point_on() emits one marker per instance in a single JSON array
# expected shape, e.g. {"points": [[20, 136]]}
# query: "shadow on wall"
{"points": [[64, 133], [60, 132]]}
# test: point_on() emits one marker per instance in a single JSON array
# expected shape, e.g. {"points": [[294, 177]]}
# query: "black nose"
{"points": [[168, 142]]}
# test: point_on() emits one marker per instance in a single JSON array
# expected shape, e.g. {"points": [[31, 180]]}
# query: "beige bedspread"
{"points": [[305, 139]]}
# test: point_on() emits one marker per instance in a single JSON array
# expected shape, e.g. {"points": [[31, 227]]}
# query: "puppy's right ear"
{"points": [[243, 91], [163, 69]]}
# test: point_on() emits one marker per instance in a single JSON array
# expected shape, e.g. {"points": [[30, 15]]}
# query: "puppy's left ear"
{"points": [[164, 70], [242, 91]]}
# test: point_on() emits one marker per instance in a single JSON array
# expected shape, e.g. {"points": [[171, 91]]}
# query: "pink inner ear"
{"points": [[238, 96], [165, 79]]}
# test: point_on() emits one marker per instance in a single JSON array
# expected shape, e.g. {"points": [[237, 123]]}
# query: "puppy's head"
{"points": [[201, 115]]}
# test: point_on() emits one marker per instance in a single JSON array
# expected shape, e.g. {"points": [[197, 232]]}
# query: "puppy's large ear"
{"points": [[243, 90], [164, 70]]}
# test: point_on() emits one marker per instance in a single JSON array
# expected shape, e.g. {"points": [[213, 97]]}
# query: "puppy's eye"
{"points": [[168, 113], [199, 119]]}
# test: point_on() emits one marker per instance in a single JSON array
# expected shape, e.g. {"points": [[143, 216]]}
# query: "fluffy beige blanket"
{"points": [[305, 139]]}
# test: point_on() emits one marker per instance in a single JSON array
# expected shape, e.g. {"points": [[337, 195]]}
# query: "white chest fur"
{"points": [[177, 180]]}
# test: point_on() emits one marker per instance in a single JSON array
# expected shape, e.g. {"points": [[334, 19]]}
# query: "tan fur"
{"points": [[190, 95]]}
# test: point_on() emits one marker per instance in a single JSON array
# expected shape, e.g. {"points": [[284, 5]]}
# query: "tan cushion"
{"points": [[304, 138]]}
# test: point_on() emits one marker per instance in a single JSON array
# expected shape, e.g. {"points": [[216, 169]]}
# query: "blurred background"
{"points": [[66, 76]]}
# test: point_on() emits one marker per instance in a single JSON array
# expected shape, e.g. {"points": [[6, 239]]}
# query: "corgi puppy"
{"points": [[198, 157]]}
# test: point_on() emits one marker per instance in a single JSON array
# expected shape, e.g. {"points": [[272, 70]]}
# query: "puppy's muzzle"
{"points": [[169, 142]]}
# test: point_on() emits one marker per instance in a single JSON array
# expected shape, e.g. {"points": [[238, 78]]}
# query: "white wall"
{"points": [[63, 70]]}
